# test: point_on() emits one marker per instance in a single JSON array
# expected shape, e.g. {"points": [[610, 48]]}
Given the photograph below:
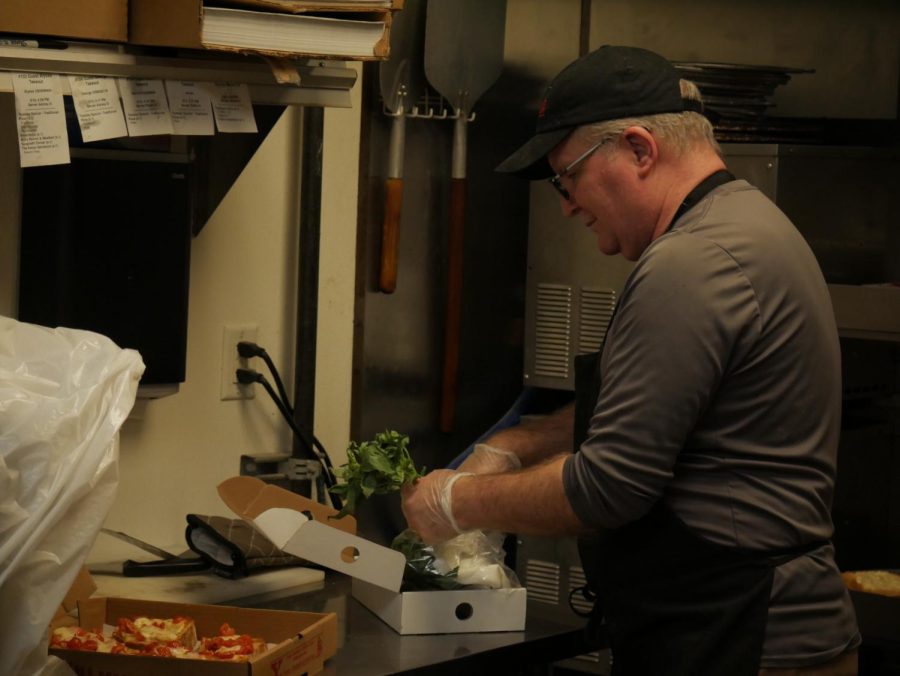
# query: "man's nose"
{"points": [[568, 206]]}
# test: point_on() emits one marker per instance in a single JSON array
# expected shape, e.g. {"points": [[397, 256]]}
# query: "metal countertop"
{"points": [[367, 646]]}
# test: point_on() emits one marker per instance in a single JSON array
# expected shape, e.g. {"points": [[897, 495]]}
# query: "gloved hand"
{"points": [[428, 507], [485, 459]]}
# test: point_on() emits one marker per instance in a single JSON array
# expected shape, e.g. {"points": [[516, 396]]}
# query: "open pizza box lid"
{"points": [[309, 530]]}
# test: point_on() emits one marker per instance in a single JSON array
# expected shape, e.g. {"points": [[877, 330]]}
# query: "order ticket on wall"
{"points": [[40, 120], [107, 108]]}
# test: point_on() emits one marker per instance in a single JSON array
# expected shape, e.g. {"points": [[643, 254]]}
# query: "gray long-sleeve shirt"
{"points": [[721, 396]]}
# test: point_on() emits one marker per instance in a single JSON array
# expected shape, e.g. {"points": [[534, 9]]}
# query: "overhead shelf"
{"points": [[321, 82]]}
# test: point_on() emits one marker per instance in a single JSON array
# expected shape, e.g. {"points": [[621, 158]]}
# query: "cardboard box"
{"points": [[445, 612], [179, 23], [304, 640], [308, 530], [76, 19], [82, 587]]}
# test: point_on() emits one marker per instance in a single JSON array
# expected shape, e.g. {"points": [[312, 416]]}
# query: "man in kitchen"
{"points": [[706, 430]]}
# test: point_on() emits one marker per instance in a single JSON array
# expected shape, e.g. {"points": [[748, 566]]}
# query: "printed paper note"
{"points": [[190, 107], [232, 108], [146, 108], [97, 106], [40, 119]]}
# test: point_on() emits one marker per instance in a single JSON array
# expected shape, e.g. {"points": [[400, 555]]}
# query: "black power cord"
{"points": [[249, 376], [248, 350]]}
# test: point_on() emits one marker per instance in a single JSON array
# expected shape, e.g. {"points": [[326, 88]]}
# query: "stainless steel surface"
{"points": [[464, 49], [367, 646], [842, 199], [550, 569], [399, 340], [570, 292]]}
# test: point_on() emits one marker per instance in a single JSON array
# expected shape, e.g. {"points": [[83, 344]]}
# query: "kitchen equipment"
{"points": [[167, 564], [463, 57], [400, 79], [146, 546], [737, 99], [737, 90]]}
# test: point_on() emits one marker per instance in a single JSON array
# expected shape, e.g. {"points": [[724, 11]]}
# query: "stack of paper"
{"points": [[313, 5], [292, 33]]}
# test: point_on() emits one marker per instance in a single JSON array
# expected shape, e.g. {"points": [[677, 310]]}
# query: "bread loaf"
{"points": [[882, 582]]}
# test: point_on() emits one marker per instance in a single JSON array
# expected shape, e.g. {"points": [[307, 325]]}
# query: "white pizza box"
{"points": [[445, 612], [309, 530]]}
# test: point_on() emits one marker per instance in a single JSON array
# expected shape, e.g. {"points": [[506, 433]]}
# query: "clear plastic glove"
{"points": [[485, 459], [428, 505]]}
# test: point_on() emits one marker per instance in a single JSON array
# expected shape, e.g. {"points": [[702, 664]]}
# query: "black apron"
{"points": [[670, 602]]}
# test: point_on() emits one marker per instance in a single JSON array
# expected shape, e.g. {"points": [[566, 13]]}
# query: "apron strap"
{"points": [[707, 185]]}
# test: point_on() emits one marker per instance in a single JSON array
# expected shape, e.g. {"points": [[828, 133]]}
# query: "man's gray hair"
{"points": [[678, 131]]}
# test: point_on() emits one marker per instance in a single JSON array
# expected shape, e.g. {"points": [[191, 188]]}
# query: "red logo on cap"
{"points": [[542, 108]]}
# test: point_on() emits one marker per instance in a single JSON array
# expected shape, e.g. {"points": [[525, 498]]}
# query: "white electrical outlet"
{"points": [[232, 334]]}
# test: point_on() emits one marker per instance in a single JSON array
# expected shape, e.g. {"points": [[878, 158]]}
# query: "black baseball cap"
{"points": [[609, 83]]}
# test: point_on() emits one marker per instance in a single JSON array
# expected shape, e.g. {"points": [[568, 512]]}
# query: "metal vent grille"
{"points": [[576, 581], [553, 330], [542, 581], [596, 308]]}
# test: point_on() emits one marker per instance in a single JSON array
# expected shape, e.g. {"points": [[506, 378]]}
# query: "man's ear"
{"points": [[643, 148]]}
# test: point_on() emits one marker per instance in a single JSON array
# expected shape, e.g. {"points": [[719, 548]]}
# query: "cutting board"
{"points": [[208, 587]]}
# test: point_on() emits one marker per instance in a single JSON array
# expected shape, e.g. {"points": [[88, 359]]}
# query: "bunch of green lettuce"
{"points": [[382, 465], [421, 573]]}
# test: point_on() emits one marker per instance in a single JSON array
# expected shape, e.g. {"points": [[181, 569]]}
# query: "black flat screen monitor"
{"points": [[105, 246]]}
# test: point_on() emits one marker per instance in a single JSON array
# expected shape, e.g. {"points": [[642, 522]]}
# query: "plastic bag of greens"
{"points": [[470, 560]]}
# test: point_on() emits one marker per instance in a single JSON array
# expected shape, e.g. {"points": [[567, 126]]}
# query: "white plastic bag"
{"points": [[64, 394], [477, 556]]}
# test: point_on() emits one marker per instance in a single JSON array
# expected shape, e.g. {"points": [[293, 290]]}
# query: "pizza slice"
{"points": [[76, 638], [144, 633], [172, 649], [231, 646]]}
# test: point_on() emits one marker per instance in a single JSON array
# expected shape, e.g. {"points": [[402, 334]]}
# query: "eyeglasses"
{"points": [[556, 181]]}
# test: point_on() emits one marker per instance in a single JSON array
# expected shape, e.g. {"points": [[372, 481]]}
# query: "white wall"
{"points": [[337, 275], [175, 450]]}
